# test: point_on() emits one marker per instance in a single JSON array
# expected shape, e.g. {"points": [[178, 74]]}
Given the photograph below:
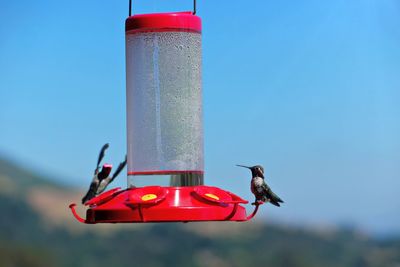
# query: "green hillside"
{"points": [[27, 240], [13, 176]]}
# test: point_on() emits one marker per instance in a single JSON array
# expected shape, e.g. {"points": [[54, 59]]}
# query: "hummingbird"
{"points": [[101, 178], [260, 189], [105, 182]]}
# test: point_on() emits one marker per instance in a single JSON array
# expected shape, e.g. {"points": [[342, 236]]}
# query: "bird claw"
{"points": [[257, 203]]}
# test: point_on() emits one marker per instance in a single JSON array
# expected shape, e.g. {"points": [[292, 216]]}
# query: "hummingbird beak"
{"points": [[243, 166]]}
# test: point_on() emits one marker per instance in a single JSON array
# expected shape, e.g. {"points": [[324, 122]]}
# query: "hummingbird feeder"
{"points": [[164, 130]]}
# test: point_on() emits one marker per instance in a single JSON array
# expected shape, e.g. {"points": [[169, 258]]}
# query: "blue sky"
{"points": [[309, 89]]}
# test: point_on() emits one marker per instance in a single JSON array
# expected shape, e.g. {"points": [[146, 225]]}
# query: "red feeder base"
{"points": [[165, 204]]}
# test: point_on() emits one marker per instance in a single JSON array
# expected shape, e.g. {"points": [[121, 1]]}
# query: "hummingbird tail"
{"points": [[275, 200], [275, 203]]}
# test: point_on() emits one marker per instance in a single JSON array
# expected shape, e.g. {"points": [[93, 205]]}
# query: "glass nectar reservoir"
{"points": [[164, 100]]}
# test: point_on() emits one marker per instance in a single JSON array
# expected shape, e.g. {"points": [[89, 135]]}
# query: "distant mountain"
{"points": [[13, 177], [36, 229], [45, 197]]}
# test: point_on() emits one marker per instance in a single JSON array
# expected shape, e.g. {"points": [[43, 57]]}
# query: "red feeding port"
{"points": [[165, 204]]}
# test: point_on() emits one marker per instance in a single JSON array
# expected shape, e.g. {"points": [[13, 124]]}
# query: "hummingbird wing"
{"points": [[271, 196], [120, 167], [101, 156]]}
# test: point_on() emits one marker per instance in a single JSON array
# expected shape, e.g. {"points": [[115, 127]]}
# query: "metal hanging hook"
{"points": [[194, 8]]}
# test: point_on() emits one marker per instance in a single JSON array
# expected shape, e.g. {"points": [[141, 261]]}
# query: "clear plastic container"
{"points": [[164, 108]]}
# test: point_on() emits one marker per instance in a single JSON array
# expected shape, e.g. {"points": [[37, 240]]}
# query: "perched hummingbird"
{"points": [[105, 182], [102, 178], [259, 188]]}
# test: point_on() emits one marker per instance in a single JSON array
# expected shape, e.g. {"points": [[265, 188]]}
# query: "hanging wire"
{"points": [[130, 7]]}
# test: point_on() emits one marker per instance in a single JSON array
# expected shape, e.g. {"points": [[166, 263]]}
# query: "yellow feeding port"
{"points": [[148, 197], [212, 196]]}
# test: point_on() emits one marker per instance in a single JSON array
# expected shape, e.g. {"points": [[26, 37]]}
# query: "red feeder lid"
{"points": [[159, 22], [165, 204]]}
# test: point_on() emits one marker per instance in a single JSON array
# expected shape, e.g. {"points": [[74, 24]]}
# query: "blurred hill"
{"points": [[36, 229]]}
